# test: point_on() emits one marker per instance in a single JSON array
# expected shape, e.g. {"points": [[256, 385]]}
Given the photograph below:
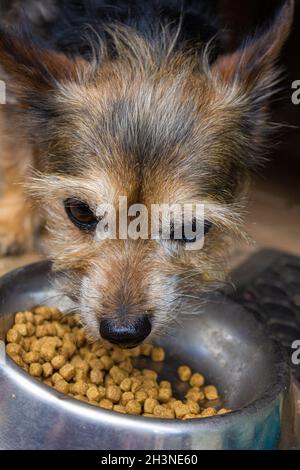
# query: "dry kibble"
{"points": [[41, 331], [126, 384], [126, 365], [164, 394], [211, 392], [47, 352], [140, 396], [80, 374], [35, 369], [68, 349], [13, 349], [67, 372], [55, 350], [223, 411], [113, 393], [107, 362], [193, 406], [150, 404], [158, 354], [80, 388], [109, 381], [96, 377], [20, 318], [47, 369], [184, 373], [133, 407], [13, 336], [150, 374], [118, 374], [190, 416], [197, 380], [208, 412], [126, 397], [96, 363], [119, 409], [107, 404], [30, 329], [62, 386], [29, 317], [136, 384], [195, 394], [146, 349], [165, 384], [56, 377], [181, 409], [58, 361], [118, 355], [162, 412], [31, 357], [93, 393], [21, 328], [135, 352]]}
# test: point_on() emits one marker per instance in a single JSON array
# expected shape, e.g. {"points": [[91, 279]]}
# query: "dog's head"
{"points": [[157, 125]]}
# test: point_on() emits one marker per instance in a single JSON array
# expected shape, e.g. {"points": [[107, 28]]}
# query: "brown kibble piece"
{"points": [[184, 373], [80, 388], [62, 386], [13, 336], [93, 393], [197, 380], [211, 392], [58, 361], [119, 409], [208, 412], [162, 412], [67, 372], [31, 357], [158, 354], [13, 349], [118, 374], [133, 407], [96, 376], [126, 384], [106, 404], [47, 369], [113, 393], [150, 404], [35, 369], [126, 397], [164, 394]]}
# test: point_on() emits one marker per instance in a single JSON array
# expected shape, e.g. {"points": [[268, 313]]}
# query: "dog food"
{"points": [[55, 350]]}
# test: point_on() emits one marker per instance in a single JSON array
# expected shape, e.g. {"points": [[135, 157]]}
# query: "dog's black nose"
{"points": [[126, 334]]}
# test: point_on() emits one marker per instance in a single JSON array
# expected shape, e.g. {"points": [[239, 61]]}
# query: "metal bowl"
{"points": [[226, 343]]}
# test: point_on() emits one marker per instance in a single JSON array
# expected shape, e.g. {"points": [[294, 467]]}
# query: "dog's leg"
{"points": [[16, 215]]}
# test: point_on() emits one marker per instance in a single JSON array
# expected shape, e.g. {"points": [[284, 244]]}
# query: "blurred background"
{"points": [[274, 209]]}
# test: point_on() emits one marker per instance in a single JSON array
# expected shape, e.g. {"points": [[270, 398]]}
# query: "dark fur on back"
{"points": [[70, 26]]}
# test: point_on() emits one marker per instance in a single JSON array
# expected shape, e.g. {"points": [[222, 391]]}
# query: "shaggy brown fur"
{"points": [[154, 122]]}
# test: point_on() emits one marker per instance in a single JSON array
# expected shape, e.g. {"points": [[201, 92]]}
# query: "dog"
{"points": [[138, 100]]}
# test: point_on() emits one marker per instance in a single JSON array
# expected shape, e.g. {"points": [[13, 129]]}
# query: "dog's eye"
{"points": [[80, 214], [185, 239]]}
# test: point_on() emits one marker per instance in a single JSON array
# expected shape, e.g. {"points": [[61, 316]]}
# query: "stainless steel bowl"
{"points": [[225, 342]]}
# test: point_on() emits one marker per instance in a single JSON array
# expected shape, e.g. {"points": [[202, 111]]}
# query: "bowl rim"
{"points": [[276, 389]]}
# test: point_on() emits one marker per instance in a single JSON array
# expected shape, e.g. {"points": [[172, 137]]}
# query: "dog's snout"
{"points": [[126, 334]]}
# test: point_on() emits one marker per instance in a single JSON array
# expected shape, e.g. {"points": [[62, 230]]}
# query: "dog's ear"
{"points": [[31, 69], [252, 65]]}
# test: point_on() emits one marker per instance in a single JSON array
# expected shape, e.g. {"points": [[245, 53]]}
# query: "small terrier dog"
{"points": [[129, 100]]}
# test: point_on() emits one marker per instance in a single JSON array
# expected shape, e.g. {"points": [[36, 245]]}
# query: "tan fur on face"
{"points": [[157, 124]]}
